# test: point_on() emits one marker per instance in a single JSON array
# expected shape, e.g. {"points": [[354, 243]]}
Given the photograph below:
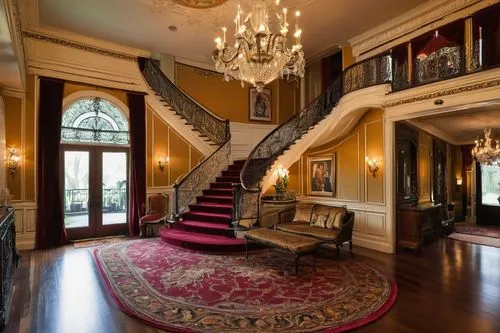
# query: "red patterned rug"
{"points": [[183, 291], [478, 230]]}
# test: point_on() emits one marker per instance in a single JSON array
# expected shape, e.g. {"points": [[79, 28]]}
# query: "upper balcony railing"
{"points": [[367, 73]]}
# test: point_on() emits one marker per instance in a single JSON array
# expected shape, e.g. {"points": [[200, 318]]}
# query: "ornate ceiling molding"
{"points": [[215, 13], [201, 4], [14, 22], [412, 21], [75, 45]]}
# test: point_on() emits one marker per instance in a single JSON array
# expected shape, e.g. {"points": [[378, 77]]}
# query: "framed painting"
{"points": [[260, 105], [321, 176]]}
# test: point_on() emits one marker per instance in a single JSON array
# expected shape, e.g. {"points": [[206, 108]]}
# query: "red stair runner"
{"points": [[206, 227]]}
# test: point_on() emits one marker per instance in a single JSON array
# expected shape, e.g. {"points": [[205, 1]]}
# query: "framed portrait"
{"points": [[321, 176], [260, 104]]}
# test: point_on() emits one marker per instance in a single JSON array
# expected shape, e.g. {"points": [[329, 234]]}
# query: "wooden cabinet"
{"points": [[416, 223], [9, 260]]}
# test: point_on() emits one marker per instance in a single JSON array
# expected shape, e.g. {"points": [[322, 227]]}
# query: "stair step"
{"points": [[221, 185], [236, 167], [206, 228], [239, 162], [208, 217], [201, 242], [211, 207], [231, 173], [215, 199], [219, 191], [232, 179]]}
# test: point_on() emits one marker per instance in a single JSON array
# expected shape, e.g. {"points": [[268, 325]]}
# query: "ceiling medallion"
{"points": [[200, 3], [259, 56], [487, 151]]}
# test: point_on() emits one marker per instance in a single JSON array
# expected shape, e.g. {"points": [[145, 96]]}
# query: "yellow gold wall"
{"points": [[20, 132], [162, 140], [229, 100], [353, 181], [424, 166], [70, 87]]}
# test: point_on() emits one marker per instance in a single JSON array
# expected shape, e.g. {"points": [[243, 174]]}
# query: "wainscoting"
{"points": [[370, 222], [25, 221]]}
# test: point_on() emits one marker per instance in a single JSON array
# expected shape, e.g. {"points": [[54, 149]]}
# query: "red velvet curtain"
{"points": [[50, 217], [137, 185]]}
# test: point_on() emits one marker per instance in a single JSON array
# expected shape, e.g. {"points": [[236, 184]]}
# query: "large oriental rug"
{"points": [[182, 291]]}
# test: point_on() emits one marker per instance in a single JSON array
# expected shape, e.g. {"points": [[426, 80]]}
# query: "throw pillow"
{"points": [[303, 212], [319, 221], [331, 219], [339, 219]]}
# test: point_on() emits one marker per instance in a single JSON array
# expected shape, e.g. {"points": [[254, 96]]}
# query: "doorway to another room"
{"points": [[94, 169]]}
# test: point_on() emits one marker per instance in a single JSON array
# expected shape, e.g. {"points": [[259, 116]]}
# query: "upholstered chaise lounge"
{"points": [[328, 224]]}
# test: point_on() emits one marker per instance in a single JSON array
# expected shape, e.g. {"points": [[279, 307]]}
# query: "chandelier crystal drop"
{"points": [[487, 150], [259, 56]]}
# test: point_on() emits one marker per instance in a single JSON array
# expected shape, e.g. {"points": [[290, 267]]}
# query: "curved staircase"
{"points": [[219, 195], [207, 225]]}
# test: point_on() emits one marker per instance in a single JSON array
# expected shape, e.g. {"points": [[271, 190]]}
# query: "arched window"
{"points": [[94, 120]]}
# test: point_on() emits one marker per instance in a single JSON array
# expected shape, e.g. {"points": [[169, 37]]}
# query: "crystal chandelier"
{"points": [[260, 56], [487, 151]]}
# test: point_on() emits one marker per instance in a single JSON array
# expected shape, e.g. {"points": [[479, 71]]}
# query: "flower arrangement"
{"points": [[281, 181]]}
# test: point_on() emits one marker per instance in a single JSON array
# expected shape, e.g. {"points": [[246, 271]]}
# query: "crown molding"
{"points": [[13, 92], [77, 45], [15, 29], [421, 19]]}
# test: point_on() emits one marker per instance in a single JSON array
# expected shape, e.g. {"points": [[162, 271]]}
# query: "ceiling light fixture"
{"points": [[487, 151], [258, 55]]}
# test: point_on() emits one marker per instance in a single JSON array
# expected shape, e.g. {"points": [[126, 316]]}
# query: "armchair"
{"points": [[155, 217]]}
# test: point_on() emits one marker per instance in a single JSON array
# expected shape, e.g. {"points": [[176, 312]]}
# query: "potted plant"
{"points": [[281, 183]]}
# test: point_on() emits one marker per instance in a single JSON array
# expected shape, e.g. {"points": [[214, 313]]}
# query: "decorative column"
{"points": [[468, 44], [410, 65]]}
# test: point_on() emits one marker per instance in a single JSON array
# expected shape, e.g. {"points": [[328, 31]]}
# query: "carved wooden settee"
{"points": [[330, 224]]}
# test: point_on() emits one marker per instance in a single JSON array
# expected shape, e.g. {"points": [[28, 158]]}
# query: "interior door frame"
{"points": [[485, 214], [95, 228]]}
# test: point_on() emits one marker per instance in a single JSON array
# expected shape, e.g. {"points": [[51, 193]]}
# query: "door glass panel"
{"points": [[114, 188], [490, 183], [76, 189]]}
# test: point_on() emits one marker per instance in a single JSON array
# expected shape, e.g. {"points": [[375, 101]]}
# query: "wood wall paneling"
{"points": [[374, 143], [14, 115], [179, 156], [424, 166], [161, 147], [29, 153]]}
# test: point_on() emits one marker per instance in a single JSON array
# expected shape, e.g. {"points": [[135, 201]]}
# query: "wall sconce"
{"points": [[162, 162], [372, 165], [13, 159], [459, 181]]}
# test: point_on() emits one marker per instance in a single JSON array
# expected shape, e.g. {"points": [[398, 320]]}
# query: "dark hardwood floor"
{"points": [[451, 287]]}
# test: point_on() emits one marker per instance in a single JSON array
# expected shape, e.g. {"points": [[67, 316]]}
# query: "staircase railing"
{"points": [[246, 196], [216, 129]]}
